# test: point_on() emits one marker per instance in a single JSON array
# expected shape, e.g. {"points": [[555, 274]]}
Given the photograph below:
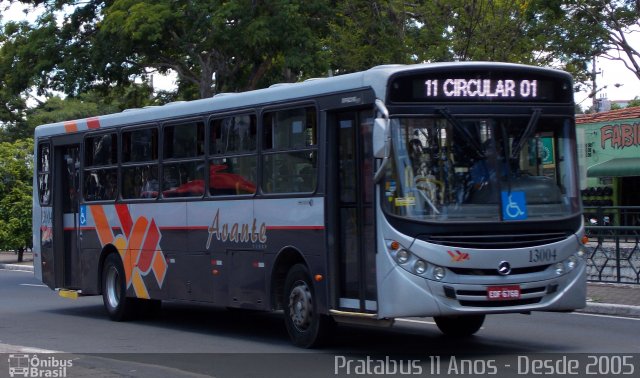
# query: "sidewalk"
{"points": [[9, 260], [602, 298]]}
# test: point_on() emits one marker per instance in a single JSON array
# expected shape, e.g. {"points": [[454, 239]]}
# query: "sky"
{"points": [[612, 73]]}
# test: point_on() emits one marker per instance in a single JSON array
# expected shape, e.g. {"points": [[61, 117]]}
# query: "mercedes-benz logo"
{"points": [[504, 268]]}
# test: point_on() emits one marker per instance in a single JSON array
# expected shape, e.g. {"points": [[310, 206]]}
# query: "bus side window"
{"points": [[101, 171], [183, 160], [232, 170], [140, 164], [290, 145], [44, 181]]}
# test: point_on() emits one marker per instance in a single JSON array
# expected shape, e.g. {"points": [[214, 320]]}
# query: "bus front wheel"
{"points": [[306, 327], [459, 326], [114, 290]]}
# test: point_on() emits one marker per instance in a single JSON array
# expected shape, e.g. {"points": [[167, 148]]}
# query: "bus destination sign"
{"points": [[481, 87]]}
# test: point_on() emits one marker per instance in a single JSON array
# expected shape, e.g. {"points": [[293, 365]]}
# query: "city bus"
{"points": [[445, 190]]}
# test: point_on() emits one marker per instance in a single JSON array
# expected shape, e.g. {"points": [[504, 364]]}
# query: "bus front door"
{"points": [[352, 215], [66, 182]]}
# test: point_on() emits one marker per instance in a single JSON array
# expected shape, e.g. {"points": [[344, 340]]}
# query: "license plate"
{"points": [[503, 293]]}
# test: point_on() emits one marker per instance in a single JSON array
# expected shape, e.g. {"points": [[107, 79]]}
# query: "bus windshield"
{"points": [[501, 168]]}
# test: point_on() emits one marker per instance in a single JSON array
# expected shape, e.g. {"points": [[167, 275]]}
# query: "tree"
{"points": [[365, 33], [92, 103], [633, 103], [16, 169], [218, 45], [213, 45], [610, 22]]}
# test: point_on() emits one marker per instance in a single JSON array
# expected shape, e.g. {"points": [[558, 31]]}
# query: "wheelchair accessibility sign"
{"points": [[83, 215], [514, 206]]}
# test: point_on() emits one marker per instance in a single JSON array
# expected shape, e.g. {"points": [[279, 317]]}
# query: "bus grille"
{"points": [[494, 272], [503, 241]]}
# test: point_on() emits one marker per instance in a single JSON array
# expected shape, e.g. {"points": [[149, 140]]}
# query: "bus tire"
{"points": [[459, 326], [306, 327], [114, 290]]}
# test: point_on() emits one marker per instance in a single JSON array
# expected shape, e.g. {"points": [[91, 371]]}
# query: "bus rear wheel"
{"points": [[306, 327], [114, 290], [459, 326]]}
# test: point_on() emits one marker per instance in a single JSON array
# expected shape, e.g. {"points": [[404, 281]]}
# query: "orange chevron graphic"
{"points": [[139, 246], [458, 256]]}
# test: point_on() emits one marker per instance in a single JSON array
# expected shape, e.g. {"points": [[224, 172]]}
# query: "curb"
{"points": [[611, 309], [26, 268]]}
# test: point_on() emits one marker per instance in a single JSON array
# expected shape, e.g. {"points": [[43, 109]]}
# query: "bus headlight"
{"points": [[402, 256], [572, 262], [559, 268], [439, 273], [413, 263], [420, 266]]}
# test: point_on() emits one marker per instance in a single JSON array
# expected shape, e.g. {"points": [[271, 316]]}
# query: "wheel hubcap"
{"points": [[113, 287], [300, 306]]}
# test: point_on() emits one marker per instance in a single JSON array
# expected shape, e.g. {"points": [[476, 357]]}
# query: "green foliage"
{"points": [[363, 34], [16, 167], [218, 46], [29, 55], [633, 103], [222, 46], [96, 102], [602, 27]]}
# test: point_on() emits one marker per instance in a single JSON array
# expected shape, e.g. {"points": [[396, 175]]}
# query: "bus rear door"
{"points": [[66, 212]]}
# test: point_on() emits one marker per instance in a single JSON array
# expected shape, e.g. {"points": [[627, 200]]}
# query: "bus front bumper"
{"points": [[404, 294]]}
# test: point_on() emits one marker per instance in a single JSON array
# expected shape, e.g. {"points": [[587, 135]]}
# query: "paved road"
{"points": [[34, 316]]}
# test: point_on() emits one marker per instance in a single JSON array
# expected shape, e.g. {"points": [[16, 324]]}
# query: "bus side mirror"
{"points": [[381, 138]]}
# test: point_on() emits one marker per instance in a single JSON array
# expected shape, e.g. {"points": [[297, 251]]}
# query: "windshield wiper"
{"points": [[463, 131], [531, 126]]}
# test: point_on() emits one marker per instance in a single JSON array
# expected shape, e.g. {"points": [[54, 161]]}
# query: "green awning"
{"points": [[619, 167]]}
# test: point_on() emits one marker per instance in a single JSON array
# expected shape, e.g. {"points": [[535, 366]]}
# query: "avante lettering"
{"points": [[236, 232]]}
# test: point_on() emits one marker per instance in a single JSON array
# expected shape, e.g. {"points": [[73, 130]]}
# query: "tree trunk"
{"points": [[20, 254]]}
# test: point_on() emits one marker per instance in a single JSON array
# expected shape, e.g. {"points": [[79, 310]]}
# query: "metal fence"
{"points": [[613, 251]]}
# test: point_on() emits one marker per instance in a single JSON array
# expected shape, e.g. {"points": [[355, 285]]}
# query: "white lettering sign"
{"points": [[459, 88]]}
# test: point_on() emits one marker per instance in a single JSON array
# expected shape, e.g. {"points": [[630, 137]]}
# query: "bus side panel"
{"points": [[221, 233], [161, 266], [45, 242], [247, 282], [36, 221], [296, 224], [90, 274]]}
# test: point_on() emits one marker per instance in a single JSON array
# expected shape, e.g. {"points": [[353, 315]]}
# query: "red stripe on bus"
{"points": [[93, 123], [125, 219], [295, 227], [205, 228]]}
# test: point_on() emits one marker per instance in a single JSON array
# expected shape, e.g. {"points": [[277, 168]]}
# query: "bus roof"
{"points": [[375, 78]]}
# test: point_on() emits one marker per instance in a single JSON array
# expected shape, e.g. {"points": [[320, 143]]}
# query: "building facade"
{"points": [[610, 160]]}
